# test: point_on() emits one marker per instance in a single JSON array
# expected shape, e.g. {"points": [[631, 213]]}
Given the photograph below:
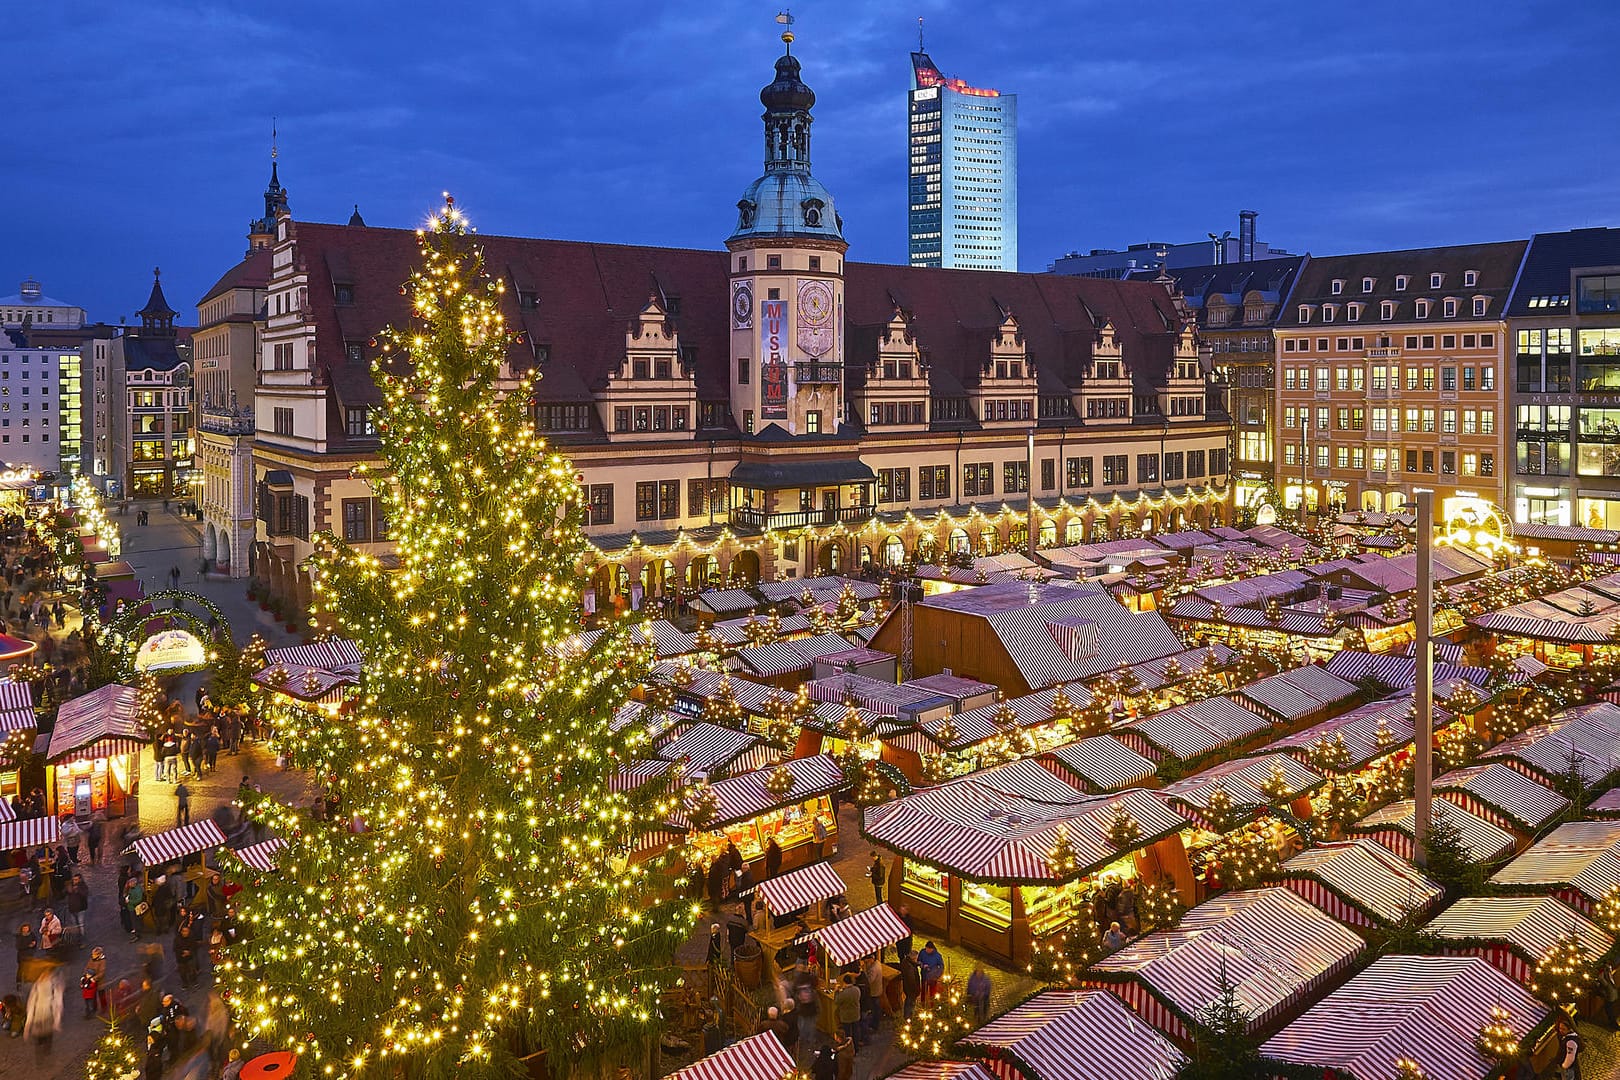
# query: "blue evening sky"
{"points": [[138, 133]]}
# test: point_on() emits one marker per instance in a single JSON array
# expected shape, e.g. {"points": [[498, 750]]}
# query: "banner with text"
{"points": [[773, 369]]}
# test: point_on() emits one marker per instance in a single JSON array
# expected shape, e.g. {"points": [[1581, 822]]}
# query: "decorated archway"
{"points": [[959, 543], [745, 566], [179, 642], [894, 552], [700, 570], [830, 557]]}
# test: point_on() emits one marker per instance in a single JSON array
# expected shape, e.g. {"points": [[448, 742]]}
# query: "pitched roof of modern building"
{"points": [[1543, 286], [1497, 265], [580, 299]]}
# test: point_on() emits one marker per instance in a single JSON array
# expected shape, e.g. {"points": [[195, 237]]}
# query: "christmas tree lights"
{"points": [[1496, 1036], [1564, 976], [481, 903], [1123, 829], [933, 1029], [114, 1058]]}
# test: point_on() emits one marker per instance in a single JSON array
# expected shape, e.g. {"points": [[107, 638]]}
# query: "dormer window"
{"points": [[1436, 280], [528, 301], [343, 294], [1451, 309], [1329, 311], [1400, 282], [1386, 310], [1480, 304], [1367, 284], [1338, 286], [1352, 312], [672, 305], [1470, 277], [1423, 309], [1304, 313]]}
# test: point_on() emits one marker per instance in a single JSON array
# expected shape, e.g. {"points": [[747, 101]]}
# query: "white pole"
{"points": [[1029, 502], [1423, 654]]}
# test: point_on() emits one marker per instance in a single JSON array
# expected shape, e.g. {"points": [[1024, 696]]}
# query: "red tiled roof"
{"points": [[588, 293]]}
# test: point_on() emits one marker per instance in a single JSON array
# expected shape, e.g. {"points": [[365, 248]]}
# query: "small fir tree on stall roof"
{"points": [[1409, 935], [723, 708], [1459, 747], [1276, 786], [1497, 1039], [947, 732], [1606, 912], [1218, 808], [705, 641], [1158, 905], [1330, 755], [848, 604], [1450, 861], [1224, 1048], [1564, 976], [1005, 719], [1060, 960], [780, 726], [482, 904], [779, 781], [1338, 804], [1408, 1069], [702, 807], [1062, 861], [1123, 830], [1247, 859], [1273, 611], [1572, 782], [1062, 710]]}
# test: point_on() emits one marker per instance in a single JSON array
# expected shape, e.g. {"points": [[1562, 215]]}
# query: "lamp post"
{"points": [[1423, 657]]}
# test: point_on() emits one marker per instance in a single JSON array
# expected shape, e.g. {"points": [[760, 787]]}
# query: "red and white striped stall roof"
{"points": [[334, 654], [1244, 781], [1393, 826], [1073, 1035], [862, 934], [800, 888], [29, 833], [948, 1070], [7, 813], [1195, 728], [102, 723], [971, 828], [1579, 859], [166, 847], [1587, 733], [1359, 730], [1356, 879], [16, 707], [1606, 804], [260, 856], [1274, 947], [1427, 1008], [758, 1057], [742, 797], [1100, 763], [1502, 795], [1529, 925]]}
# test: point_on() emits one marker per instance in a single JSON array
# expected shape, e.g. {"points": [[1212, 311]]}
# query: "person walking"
{"points": [[847, 1008], [932, 968], [174, 573], [44, 1017], [182, 804], [50, 931], [878, 873], [93, 835], [211, 749], [978, 994], [78, 901], [97, 969], [27, 942]]}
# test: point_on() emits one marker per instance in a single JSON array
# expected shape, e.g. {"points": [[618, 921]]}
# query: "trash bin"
{"points": [[749, 963]]}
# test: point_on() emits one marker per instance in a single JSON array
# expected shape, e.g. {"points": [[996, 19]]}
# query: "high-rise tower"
{"points": [[963, 191]]}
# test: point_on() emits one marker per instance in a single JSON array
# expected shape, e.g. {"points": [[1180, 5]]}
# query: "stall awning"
{"points": [[739, 798], [104, 722], [16, 707], [1076, 1035], [862, 934], [167, 847], [260, 856], [771, 476], [29, 833], [758, 1057], [801, 888]]}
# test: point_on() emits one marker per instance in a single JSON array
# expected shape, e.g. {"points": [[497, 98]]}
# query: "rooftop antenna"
{"points": [[785, 17], [272, 138], [919, 35]]}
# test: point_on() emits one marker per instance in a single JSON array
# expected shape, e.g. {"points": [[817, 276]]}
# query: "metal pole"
{"points": [[1029, 501], [1423, 733]]}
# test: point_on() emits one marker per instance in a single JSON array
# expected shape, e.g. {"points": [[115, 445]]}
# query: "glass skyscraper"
{"points": [[963, 192]]}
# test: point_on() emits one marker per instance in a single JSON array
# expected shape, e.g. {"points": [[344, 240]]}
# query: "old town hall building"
{"points": [[769, 410]]}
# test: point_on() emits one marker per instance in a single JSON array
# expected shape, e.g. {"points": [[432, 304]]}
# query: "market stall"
{"points": [[1425, 1008], [260, 856], [1606, 805], [1393, 826], [184, 851], [747, 813], [848, 942], [17, 726], [978, 853], [1586, 736], [1073, 1035], [758, 1057], [1194, 730], [92, 761], [1360, 883], [19, 838], [1513, 933], [1247, 786], [1578, 862], [1276, 949], [1099, 764], [1502, 796]]}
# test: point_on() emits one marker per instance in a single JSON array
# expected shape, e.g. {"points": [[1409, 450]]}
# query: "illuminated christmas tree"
{"points": [[723, 708], [1408, 1069], [1607, 910], [1218, 808], [1497, 1038], [114, 1058], [1158, 905], [1059, 960], [1247, 858], [1123, 829], [1062, 709], [1564, 976], [1063, 860], [933, 1029], [480, 904]]}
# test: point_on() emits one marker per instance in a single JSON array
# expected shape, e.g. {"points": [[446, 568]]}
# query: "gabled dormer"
{"points": [[652, 392], [1006, 389], [1182, 395], [896, 392], [1104, 396]]}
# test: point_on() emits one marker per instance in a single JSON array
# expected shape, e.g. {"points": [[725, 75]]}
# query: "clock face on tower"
{"points": [[742, 306]]}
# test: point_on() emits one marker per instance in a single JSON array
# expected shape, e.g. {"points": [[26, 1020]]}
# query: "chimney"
{"points": [[1246, 234]]}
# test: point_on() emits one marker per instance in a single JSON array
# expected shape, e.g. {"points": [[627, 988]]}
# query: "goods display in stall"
{"points": [[93, 756], [750, 815]]}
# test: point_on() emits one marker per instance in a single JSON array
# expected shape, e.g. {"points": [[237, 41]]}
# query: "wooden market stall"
{"points": [[1073, 1035], [1578, 862], [1100, 764], [847, 943], [17, 726], [750, 815], [93, 758], [1360, 883], [1502, 796], [1273, 946], [757, 1057], [977, 853], [1585, 735], [1426, 1007], [1194, 731], [184, 851], [792, 905], [1514, 932], [20, 838], [1393, 826]]}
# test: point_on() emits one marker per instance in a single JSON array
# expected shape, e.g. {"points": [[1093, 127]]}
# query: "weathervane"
{"points": [[785, 17], [272, 138]]}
